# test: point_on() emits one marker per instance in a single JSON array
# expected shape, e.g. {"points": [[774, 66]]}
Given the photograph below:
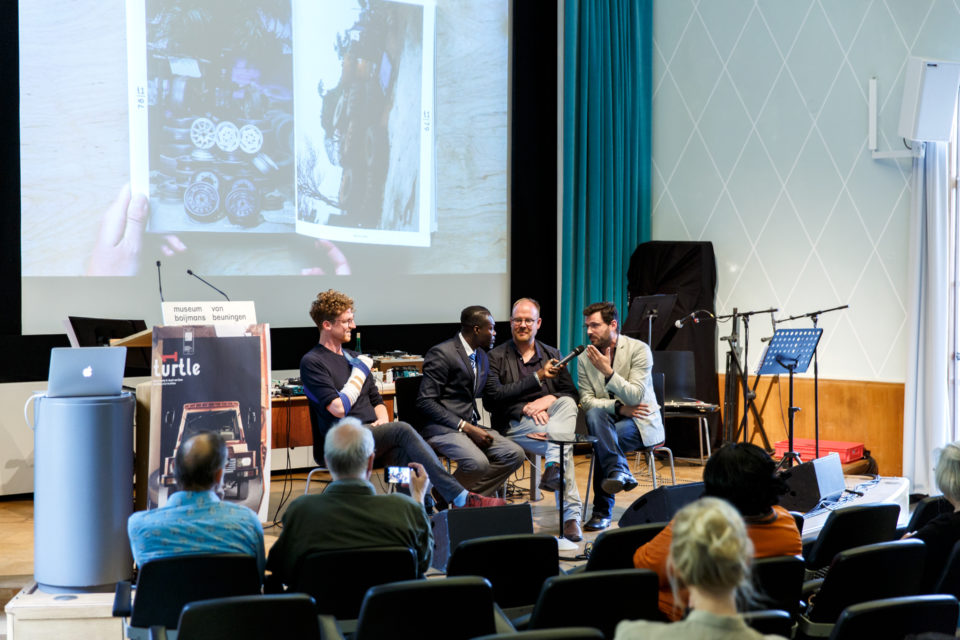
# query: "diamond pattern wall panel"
{"points": [[760, 146]]}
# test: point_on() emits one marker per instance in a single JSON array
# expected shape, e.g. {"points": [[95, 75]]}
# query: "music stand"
{"points": [[649, 310], [790, 350]]}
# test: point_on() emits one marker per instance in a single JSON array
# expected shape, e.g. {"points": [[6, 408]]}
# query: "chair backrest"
{"points": [[599, 599], [659, 380], [774, 622], [289, 615], [406, 390], [949, 581], [778, 582], [614, 548], [871, 572], [898, 617], [442, 609], [338, 580], [853, 527], [165, 585], [928, 509], [516, 565], [570, 633], [680, 370]]}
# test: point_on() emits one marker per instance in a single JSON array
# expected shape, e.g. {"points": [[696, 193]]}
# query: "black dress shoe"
{"points": [[550, 480], [597, 523], [629, 483], [617, 482]]}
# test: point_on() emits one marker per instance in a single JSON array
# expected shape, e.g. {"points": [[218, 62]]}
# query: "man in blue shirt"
{"points": [[195, 520]]}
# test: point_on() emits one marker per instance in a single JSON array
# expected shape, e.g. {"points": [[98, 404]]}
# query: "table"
{"points": [[564, 439], [291, 414]]}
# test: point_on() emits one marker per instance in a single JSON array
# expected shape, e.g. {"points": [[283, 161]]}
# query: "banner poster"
{"points": [[212, 378]]}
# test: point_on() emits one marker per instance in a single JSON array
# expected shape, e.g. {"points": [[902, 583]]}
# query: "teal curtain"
{"points": [[606, 152]]}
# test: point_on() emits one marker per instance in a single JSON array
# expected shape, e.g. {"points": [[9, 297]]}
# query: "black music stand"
{"points": [[649, 310], [790, 350]]}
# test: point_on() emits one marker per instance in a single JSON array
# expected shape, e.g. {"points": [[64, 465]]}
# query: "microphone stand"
{"points": [[815, 316], [650, 315]]}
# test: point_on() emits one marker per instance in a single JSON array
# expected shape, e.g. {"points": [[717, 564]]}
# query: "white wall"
{"points": [[760, 146]]}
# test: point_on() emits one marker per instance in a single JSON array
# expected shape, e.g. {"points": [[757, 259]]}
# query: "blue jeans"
{"points": [[614, 437]]}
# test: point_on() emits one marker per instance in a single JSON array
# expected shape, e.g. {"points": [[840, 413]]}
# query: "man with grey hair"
{"points": [[349, 514], [195, 519]]}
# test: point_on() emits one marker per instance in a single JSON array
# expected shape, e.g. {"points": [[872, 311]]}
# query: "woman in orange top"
{"points": [[744, 475]]}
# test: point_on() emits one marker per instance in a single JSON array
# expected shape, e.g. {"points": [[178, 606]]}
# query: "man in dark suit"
{"points": [[454, 374], [521, 404]]}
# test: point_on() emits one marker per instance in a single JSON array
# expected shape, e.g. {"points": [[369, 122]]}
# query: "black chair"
{"points": [[598, 599], [926, 510], [770, 622], [778, 582], [406, 389], [338, 580], [871, 572], [165, 585], [680, 384], [852, 527], [614, 548], [516, 565], [290, 615], [570, 633], [442, 609], [897, 618]]}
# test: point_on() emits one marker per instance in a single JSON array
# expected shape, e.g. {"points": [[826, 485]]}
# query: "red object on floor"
{"points": [[848, 451]]}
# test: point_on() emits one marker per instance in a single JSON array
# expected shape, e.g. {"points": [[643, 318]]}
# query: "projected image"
{"points": [[364, 104], [219, 121]]}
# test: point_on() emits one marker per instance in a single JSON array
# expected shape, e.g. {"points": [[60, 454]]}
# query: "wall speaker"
{"points": [[929, 99], [661, 504], [452, 526]]}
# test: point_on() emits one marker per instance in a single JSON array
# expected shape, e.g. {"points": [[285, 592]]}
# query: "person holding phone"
{"points": [[349, 514]]}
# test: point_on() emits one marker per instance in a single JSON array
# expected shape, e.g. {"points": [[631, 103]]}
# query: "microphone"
{"points": [[189, 272], [570, 356], [682, 321], [159, 282]]}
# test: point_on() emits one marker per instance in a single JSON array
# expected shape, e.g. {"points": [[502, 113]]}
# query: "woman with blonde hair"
{"points": [[710, 555]]}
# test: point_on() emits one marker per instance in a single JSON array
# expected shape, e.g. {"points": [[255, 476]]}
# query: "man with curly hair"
{"points": [[337, 383]]}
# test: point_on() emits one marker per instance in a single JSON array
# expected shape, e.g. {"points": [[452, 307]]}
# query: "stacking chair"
{"points": [[165, 585], [770, 622], [871, 572], [778, 581], [852, 527], [338, 580], [614, 548], [898, 618], [406, 390], [317, 437], [441, 609], [570, 633], [926, 510], [516, 566], [649, 453], [680, 384], [598, 599], [251, 618]]}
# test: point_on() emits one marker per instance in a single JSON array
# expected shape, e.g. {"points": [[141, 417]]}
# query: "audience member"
{"points": [[709, 558], [195, 520], [520, 404], [941, 533], [349, 514], [454, 375], [337, 383], [744, 475], [616, 391]]}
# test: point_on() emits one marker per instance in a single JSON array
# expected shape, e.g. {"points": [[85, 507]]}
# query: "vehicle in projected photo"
{"points": [[222, 418]]}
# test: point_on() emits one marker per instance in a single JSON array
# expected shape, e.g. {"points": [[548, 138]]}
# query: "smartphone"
{"points": [[397, 475]]}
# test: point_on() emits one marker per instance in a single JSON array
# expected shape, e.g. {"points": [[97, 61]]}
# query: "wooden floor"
{"points": [[16, 518]]}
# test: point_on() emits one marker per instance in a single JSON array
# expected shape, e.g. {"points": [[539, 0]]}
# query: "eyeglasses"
{"points": [[522, 321]]}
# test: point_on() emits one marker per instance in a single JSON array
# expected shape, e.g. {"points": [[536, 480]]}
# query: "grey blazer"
{"points": [[631, 383]]}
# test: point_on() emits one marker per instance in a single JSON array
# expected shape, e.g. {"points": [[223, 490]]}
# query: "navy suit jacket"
{"points": [[448, 391]]}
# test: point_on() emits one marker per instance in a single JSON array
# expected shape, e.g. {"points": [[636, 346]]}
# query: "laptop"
{"points": [[86, 371]]}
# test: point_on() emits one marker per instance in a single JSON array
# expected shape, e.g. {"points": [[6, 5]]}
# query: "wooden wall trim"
{"points": [[854, 410]]}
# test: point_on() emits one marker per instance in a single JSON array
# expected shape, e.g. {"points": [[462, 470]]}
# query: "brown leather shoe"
{"points": [[571, 530]]}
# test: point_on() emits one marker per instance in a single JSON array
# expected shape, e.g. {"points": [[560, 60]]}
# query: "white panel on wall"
{"points": [[760, 146]]}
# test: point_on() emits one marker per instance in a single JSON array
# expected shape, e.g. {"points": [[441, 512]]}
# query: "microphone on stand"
{"points": [[691, 316], [159, 282], [570, 356], [189, 272]]}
